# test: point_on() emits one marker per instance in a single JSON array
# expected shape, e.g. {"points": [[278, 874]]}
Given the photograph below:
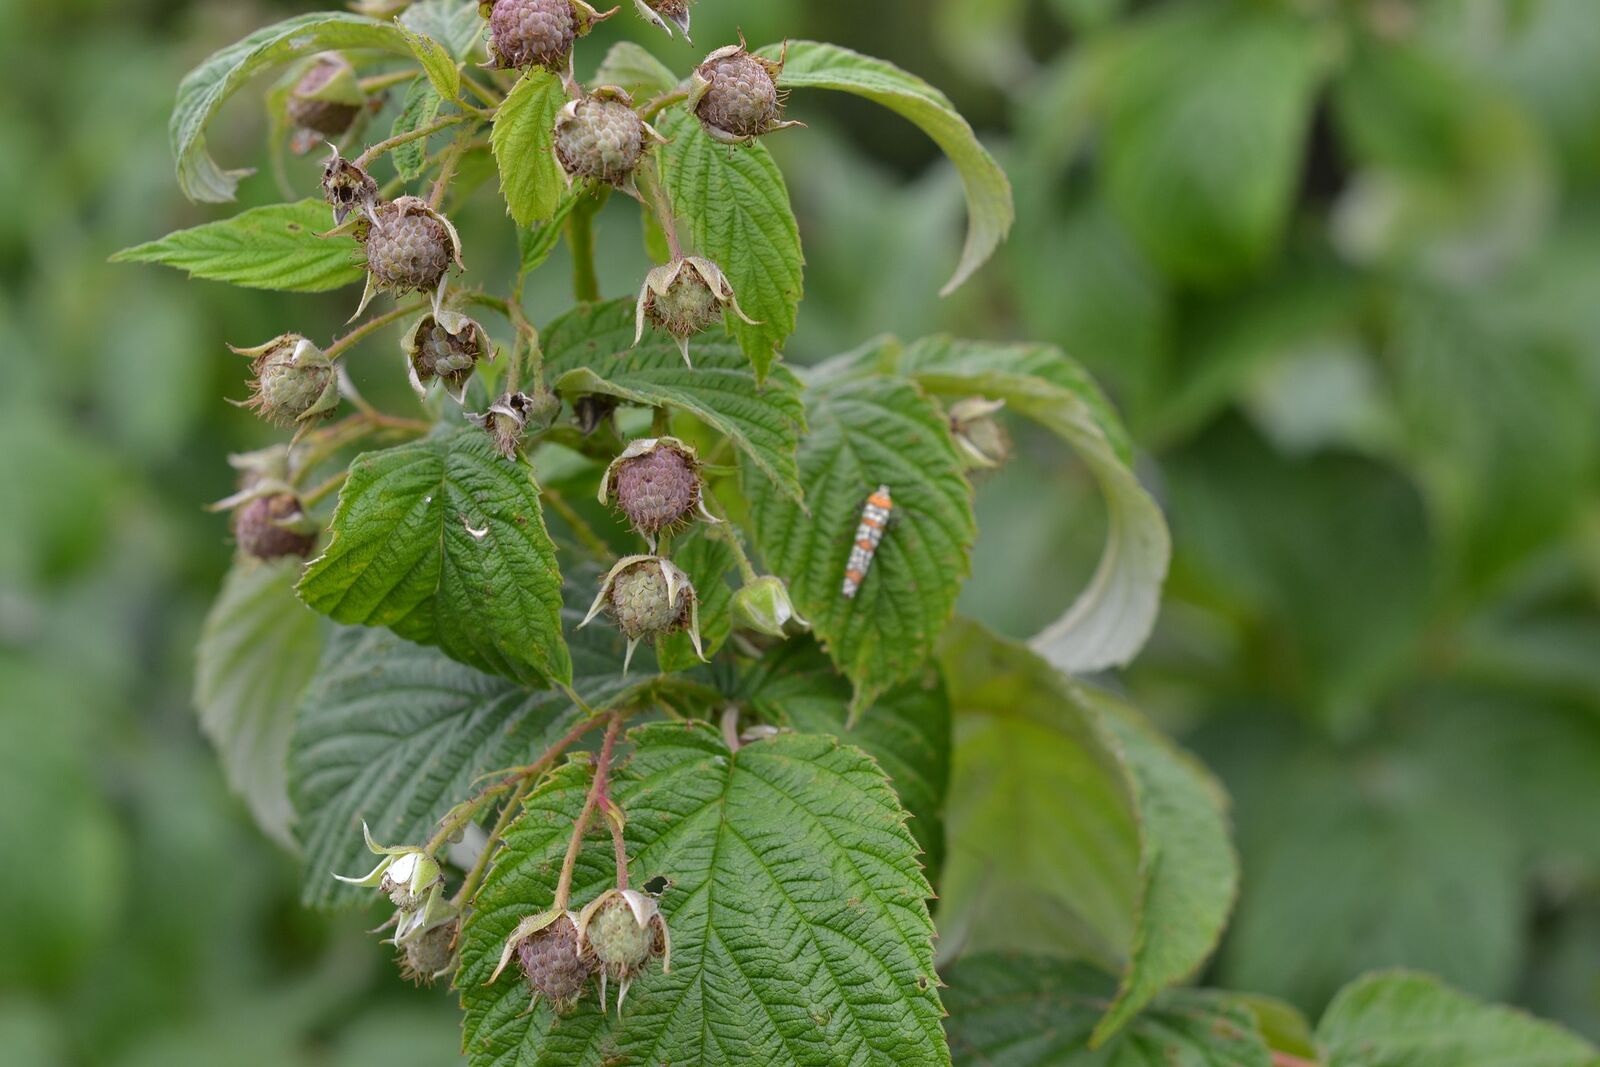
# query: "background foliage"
{"points": [[1335, 261]]}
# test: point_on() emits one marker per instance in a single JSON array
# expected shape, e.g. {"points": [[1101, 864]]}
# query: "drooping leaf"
{"points": [[443, 541], [588, 351], [535, 243], [1199, 162], [421, 107], [864, 434], [455, 24], [630, 67], [907, 731], [734, 209], [435, 60], [800, 931], [397, 735], [707, 561], [205, 89], [1111, 619], [813, 65], [1075, 828], [273, 247], [1033, 1011], [524, 125], [1399, 1019], [257, 652]]}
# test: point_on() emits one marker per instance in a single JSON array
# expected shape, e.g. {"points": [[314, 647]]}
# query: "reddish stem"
{"points": [[1283, 1059], [597, 791]]}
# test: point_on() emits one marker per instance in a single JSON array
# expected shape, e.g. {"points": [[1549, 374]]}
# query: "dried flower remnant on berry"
{"points": [[348, 189], [327, 99], [601, 137], [445, 346], [656, 484], [735, 95], [536, 33], [662, 12], [293, 384], [513, 416], [552, 958], [684, 298], [648, 597], [625, 930]]}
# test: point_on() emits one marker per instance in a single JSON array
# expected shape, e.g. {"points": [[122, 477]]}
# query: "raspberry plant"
{"points": [[702, 821]]}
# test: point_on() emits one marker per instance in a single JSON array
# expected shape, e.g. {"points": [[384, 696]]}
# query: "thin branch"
{"points": [[325, 490], [365, 159], [658, 104], [447, 171], [335, 350], [597, 789], [379, 82], [592, 542]]}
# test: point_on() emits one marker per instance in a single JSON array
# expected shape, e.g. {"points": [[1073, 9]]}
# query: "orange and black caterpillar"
{"points": [[869, 535]]}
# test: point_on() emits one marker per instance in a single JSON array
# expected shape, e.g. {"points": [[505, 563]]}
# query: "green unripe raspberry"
{"points": [[686, 308], [600, 138], [640, 605], [618, 941], [407, 250]]}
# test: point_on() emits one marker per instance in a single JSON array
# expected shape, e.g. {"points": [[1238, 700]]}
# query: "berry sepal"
{"points": [[648, 596], [625, 930], [764, 606], [685, 297], [405, 873]]}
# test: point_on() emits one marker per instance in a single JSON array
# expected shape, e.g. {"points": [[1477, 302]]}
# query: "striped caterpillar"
{"points": [[869, 535]]}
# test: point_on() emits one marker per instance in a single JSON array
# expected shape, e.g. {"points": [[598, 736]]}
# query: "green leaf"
{"points": [[1200, 163], [630, 67], [397, 735], [800, 930], [735, 210], [443, 541], [907, 731], [524, 125], [1075, 828], [1030, 1011], [1111, 619], [436, 62], [707, 561], [812, 65], [257, 652], [205, 89], [274, 247], [535, 243], [587, 351], [454, 23], [421, 107], [864, 434], [1399, 1019]]}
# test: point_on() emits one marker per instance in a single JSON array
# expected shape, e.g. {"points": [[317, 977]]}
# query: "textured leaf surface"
{"points": [[707, 561], [530, 178], [1200, 163], [907, 731], [206, 87], [735, 211], [1075, 828], [864, 434], [535, 243], [1111, 619], [1022, 1011], [421, 107], [397, 734], [443, 541], [274, 247], [800, 931], [435, 60], [812, 65], [587, 351], [257, 652], [631, 67], [454, 23], [1412, 1020]]}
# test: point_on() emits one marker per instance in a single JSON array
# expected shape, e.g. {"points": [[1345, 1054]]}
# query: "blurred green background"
{"points": [[1337, 260]]}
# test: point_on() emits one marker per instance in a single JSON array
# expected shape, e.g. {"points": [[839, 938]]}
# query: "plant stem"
{"points": [[660, 103], [335, 350], [619, 846], [379, 82], [725, 531], [597, 790], [447, 171], [321, 492], [580, 240], [488, 96], [652, 193], [593, 543], [365, 159]]}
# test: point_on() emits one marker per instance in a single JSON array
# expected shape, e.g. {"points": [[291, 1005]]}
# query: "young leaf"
{"points": [[1130, 866], [864, 434], [1030, 1011], [707, 561], [588, 351], [631, 67], [257, 652], [205, 89], [1199, 162], [907, 731], [530, 176], [1111, 619], [800, 931], [274, 247], [396, 735], [735, 210], [1399, 1019], [453, 23], [813, 65], [443, 541], [421, 107], [436, 62]]}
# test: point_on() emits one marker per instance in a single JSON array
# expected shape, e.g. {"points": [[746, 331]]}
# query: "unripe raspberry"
{"points": [[648, 597], [294, 382], [552, 958], [656, 484], [272, 527], [602, 137], [684, 298], [735, 95], [536, 33], [446, 346], [326, 98], [407, 249], [428, 954], [347, 188], [625, 930]]}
